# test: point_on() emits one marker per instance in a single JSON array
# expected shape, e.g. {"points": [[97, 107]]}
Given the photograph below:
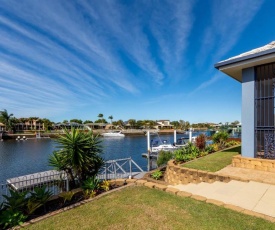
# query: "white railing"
{"points": [[119, 168], [58, 182], [55, 181]]}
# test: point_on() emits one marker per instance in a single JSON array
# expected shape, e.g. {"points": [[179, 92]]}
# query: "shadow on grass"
{"points": [[235, 149]]}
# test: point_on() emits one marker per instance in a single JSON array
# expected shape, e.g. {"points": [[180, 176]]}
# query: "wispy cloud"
{"points": [[229, 20], [171, 26]]}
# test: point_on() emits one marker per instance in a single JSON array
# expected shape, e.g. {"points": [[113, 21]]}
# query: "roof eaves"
{"points": [[243, 58]]}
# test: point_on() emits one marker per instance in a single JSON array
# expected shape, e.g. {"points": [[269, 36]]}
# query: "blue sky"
{"points": [[129, 59]]}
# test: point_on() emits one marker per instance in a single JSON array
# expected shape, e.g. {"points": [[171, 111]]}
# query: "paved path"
{"points": [[254, 196]]}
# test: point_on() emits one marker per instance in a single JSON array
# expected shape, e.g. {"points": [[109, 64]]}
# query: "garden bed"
{"points": [[54, 204]]}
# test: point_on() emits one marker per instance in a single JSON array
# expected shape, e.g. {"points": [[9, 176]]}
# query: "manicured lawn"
{"points": [[215, 161], [139, 207]]}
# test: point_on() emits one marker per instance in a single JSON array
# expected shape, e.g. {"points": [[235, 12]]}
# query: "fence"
{"points": [[55, 181], [120, 168], [58, 182]]}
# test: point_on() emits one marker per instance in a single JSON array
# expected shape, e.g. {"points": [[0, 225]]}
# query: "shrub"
{"points": [[10, 218], [220, 138], [105, 185], [157, 174], [67, 196], [41, 195], [91, 184], [186, 153], [19, 205], [192, 150], [210, 148], [231, 143], [200, 141], [164, 157], [203, 153], [179, 155]]}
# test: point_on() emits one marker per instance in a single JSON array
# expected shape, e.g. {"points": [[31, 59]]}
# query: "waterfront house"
{"points": [[96, 125], [163, 124], [2, 126], [255, 70]]}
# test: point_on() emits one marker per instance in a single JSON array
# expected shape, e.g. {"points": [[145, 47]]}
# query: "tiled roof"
{"points": [[259, 50]]}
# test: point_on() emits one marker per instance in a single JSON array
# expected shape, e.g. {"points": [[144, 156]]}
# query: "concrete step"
{"points": [[255, 196], [192, 188]]}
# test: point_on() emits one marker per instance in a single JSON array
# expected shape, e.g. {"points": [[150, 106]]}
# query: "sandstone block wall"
{"points": [[177, 174], [253, 163]]}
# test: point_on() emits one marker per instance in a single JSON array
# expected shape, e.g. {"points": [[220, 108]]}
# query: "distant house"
{"points": [[96, 125], [255, 70], [2, 126], [163, 124]]}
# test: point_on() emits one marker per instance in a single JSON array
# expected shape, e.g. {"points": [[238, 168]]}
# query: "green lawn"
{"points": [[215, 161], [139, 207]]}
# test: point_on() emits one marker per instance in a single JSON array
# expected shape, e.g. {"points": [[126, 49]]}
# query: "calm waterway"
{"points": [[19, 158]]}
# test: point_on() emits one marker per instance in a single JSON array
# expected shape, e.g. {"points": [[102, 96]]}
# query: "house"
{"points": [[255, 70], [163, 124], [2, 126]]}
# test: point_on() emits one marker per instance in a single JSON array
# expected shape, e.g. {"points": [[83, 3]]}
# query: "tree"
{"points": [[47, 124], [100, 116], [119, 123], [5, 118], [87, 121], [65, 121], [234, 123], [78, 155], [176, 124], [101, 121], [111, 118], [132, 122], [78, 121]]}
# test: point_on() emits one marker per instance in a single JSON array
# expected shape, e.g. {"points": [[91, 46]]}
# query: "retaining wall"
{"points": [[254, 163], [178, 174]]}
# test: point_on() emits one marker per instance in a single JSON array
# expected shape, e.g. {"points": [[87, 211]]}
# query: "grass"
{"points": [[139, 207], [215, 161]]}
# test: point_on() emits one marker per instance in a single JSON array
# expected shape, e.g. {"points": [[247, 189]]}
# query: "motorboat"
{"points": [[181, 142], [162, 145], [113, 134]]}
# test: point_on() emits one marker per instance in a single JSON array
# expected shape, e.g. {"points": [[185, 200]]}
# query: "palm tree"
{"points": [[111, 118], [100, 116], [78, 155], [5, 118]]}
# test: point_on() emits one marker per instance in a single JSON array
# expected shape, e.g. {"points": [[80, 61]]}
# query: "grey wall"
{"points": [[248, 112]]}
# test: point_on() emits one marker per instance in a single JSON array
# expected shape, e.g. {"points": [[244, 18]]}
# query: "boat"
{"points": [[181, 142], [113, 134], [162, 145]]}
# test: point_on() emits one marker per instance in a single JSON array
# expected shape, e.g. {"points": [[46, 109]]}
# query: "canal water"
{"points": [[19, 158]]}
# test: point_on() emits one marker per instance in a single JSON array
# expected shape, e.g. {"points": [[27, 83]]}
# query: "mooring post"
{"points": [[190, 135], [175, 137], [148, 149]]}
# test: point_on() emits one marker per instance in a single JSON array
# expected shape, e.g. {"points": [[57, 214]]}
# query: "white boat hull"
{"points": [[113, 134]]}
